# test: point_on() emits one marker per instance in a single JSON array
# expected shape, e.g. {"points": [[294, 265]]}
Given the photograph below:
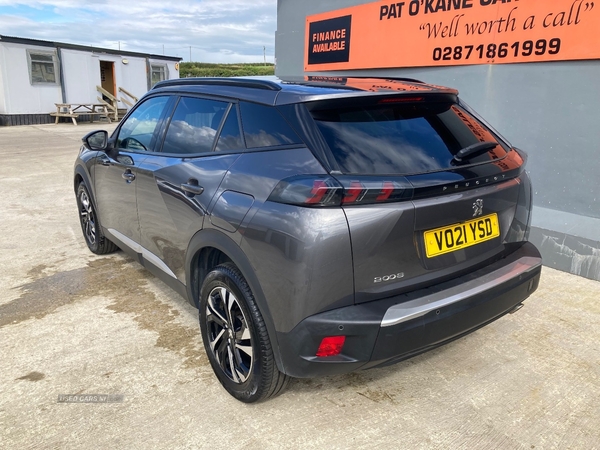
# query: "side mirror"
{"points": [[96, 140]]}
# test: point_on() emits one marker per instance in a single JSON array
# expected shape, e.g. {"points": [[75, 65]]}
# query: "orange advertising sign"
{"points": [[420, 33]]}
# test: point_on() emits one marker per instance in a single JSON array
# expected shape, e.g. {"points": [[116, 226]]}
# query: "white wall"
{"points": [[133, 77], [81, 74], [2, 76], [173, 72], [20, 96]]}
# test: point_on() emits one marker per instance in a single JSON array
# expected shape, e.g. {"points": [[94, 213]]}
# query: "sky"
{"points": [[218, 31]]}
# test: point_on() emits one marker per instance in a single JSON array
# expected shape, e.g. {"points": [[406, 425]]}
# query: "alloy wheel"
{"points": [[229, 335], [86, 213]]}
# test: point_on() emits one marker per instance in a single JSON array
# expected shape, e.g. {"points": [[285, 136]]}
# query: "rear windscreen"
{"points": [[402, 138]]}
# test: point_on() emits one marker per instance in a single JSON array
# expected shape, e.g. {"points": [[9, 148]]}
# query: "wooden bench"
{"points": [[65, 114], [74, 110]]}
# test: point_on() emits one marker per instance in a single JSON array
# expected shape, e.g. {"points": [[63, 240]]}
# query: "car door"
{"points": [[116, 170], [176, 186]]}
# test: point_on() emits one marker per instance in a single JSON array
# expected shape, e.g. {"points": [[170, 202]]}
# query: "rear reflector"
{"points": [[331, 346]]}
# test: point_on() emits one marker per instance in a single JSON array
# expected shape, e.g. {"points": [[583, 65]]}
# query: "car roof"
{"points": [[272, 90]]}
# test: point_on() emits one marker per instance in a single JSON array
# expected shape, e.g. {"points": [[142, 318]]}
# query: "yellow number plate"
{"points": [[461, 235]]}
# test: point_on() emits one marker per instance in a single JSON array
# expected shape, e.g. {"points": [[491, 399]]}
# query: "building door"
{"points": [[107, 77]]}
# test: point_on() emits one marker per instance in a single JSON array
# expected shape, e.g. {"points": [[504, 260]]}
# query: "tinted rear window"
{"points": [[265, 127], [230, 138], [401, 138]]}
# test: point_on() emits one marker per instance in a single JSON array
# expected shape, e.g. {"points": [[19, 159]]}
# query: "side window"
{"points": [[265, 127], [159, 72], [137, 131], [230, 138], [43, 67], [194, 125]]}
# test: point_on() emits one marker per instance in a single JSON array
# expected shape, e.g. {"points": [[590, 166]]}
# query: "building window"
{"points": [[43, 67], [159, 73]]}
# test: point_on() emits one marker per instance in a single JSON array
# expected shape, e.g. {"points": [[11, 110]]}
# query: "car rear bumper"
{"points": [[390, 330]]}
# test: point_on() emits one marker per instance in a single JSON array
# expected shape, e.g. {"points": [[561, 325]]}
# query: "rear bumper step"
{"points": [[404, 312], [387, 331]]}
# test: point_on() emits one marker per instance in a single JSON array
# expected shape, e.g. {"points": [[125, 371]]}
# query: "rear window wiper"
{"points": [[471, 150]]}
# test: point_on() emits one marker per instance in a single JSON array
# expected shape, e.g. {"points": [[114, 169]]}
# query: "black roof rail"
{"points": [[238, 82]]}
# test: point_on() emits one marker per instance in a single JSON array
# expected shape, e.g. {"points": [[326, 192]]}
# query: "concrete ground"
{"points": [[75, 323]]}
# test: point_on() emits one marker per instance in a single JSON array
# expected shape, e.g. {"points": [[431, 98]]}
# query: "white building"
{"points": [[34, 75]]}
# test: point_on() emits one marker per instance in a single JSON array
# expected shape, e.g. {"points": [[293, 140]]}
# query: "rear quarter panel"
{"points": [[301, 256]]}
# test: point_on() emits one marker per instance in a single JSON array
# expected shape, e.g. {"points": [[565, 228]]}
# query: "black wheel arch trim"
{"points": [[213, 238], [80, 170]]}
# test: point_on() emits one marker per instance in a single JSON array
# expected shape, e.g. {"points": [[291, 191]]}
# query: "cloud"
{"points": [[216, 30]]}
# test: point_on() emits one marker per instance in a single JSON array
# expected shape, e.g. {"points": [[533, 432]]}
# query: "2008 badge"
{"points": [[394, 276]]}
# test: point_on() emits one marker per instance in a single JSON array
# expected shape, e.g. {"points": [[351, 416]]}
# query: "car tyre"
{"points": [[90, 223], [235, 337]]}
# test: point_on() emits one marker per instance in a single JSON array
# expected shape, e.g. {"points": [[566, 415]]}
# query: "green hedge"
{"points": [[224, 70]]}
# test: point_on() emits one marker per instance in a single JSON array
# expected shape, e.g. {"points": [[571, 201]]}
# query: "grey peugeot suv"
{"points": [[320, 225]]}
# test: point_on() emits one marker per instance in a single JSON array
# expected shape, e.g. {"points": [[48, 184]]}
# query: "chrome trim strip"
{"points": [[414, 309], [152, 258], [146, 254], [128, 242]]}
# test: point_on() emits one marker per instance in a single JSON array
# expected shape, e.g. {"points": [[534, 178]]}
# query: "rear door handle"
{"points": [[128, 176], [191, 188]]}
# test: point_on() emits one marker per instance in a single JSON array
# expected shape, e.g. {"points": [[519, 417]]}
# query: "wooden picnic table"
{"points": [[74, 110]]}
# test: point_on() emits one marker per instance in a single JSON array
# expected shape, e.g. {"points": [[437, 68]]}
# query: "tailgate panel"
{"points": [[388, 239]]}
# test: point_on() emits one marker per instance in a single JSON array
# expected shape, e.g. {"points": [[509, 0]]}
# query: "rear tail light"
{"points": [[320, 193], [368, 191], [355, 193], [308, 191], [314, 190], [331, 346], [388, 189]]}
